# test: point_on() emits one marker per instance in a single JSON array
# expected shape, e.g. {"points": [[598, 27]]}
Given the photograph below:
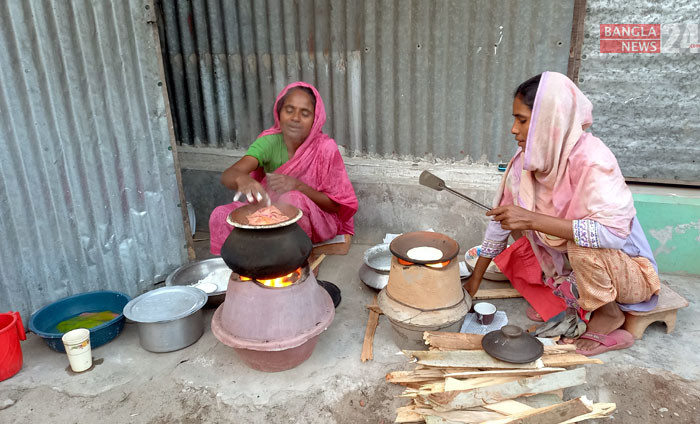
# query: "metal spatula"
{"points": [[429, 180]]}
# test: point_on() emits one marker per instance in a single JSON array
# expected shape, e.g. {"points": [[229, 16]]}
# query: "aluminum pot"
{"points": [[168, 318], [375, 271]]}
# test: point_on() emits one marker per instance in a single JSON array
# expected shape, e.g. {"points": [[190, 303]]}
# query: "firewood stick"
{"points": [[372, 322], [317, 262]]}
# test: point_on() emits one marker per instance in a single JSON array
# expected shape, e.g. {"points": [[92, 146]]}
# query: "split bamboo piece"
{"points": [[503, 373], [453, 385], [442, 340], [600, 410], [463, 358], [509, 407], [372, 322], [549, 414], [526, 386], [458, 416]]}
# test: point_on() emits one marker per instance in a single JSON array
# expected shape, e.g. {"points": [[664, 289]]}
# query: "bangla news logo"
{"points": [[649, 38]]}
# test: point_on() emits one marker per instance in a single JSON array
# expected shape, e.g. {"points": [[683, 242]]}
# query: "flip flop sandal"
{"points": [[533, 315], [618, 339]]}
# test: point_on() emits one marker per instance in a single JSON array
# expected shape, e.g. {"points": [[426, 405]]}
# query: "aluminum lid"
{"points": [[165, 304]]}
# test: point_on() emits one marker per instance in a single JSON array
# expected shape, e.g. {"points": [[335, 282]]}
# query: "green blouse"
{"points": [[270, 151]]}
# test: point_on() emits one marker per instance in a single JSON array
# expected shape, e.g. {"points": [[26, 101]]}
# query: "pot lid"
{"points": [[165, 304], [429, 241], [239, 217], [512, 344]]}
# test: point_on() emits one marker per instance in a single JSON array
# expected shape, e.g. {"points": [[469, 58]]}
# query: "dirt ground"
{"points": [[643, 396]]}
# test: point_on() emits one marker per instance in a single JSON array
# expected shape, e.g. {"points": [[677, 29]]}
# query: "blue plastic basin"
{"points": [[44, 321]]}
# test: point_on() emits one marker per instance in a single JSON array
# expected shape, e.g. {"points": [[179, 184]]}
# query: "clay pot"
{"points": [[422, 287], [267, 252], [410, 323], [273, 329]]}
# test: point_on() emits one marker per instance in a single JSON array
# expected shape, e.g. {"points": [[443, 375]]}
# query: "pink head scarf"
{"points": [[564, 171], [317, 162]]}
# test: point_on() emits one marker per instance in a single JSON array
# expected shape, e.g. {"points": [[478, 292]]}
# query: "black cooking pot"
{"points": [[267, 251]]}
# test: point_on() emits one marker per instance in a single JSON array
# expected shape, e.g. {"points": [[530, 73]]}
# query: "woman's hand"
{"points": [[474, 281], [472, 285], [283, 183], [251, 189], [513, 217], [516, 218]]}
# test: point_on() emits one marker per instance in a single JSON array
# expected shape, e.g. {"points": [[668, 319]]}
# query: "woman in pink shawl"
{"points": [[583, 249], [296, 163]]}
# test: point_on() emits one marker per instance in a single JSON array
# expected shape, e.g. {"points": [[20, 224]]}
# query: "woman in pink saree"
{"points": [[296, 163], [582, 248]]}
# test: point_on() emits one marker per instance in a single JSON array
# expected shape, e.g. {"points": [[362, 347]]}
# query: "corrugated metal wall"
{"points": [[399, 77], [645, 105], [88, 191]]}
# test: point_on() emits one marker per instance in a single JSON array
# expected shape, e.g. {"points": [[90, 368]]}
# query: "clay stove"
{"points": [[423, 294], [274, 309]]}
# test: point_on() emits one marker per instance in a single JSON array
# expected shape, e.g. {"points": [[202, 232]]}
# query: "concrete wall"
{"points": [[392, 201]]}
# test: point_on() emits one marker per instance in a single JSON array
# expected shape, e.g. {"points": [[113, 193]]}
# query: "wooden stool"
{"points": [[334, 248], [669, 303]]}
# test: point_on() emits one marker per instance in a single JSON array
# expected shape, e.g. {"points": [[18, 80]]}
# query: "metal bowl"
{"points": [[375, 271], [491, 273], [378, 257], [192, 272]]}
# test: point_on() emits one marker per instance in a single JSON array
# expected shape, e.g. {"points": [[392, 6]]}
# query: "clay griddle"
{"points": [[400, 246]]}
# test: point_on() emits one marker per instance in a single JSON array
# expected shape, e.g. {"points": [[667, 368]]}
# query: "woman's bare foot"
{"points": [[604, 320]]}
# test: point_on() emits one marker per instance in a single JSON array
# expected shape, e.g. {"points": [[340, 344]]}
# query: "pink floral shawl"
{"points": [[565, 172], [317, 162]]}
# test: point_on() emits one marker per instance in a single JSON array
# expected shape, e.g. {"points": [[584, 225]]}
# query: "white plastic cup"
{"points": [[77, 344]]}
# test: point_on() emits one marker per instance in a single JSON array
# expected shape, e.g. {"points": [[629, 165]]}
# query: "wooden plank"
{"points": [[463, 358], [374, 308], [335, 248], [367, 344], [453, 341], [526, 386], [600, 410], [484, 294], [509, 407], [504, 373], [568, 359], [547, 415]]}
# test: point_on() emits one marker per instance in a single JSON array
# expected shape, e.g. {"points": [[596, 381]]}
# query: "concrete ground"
{"points": [[656, 380]]}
